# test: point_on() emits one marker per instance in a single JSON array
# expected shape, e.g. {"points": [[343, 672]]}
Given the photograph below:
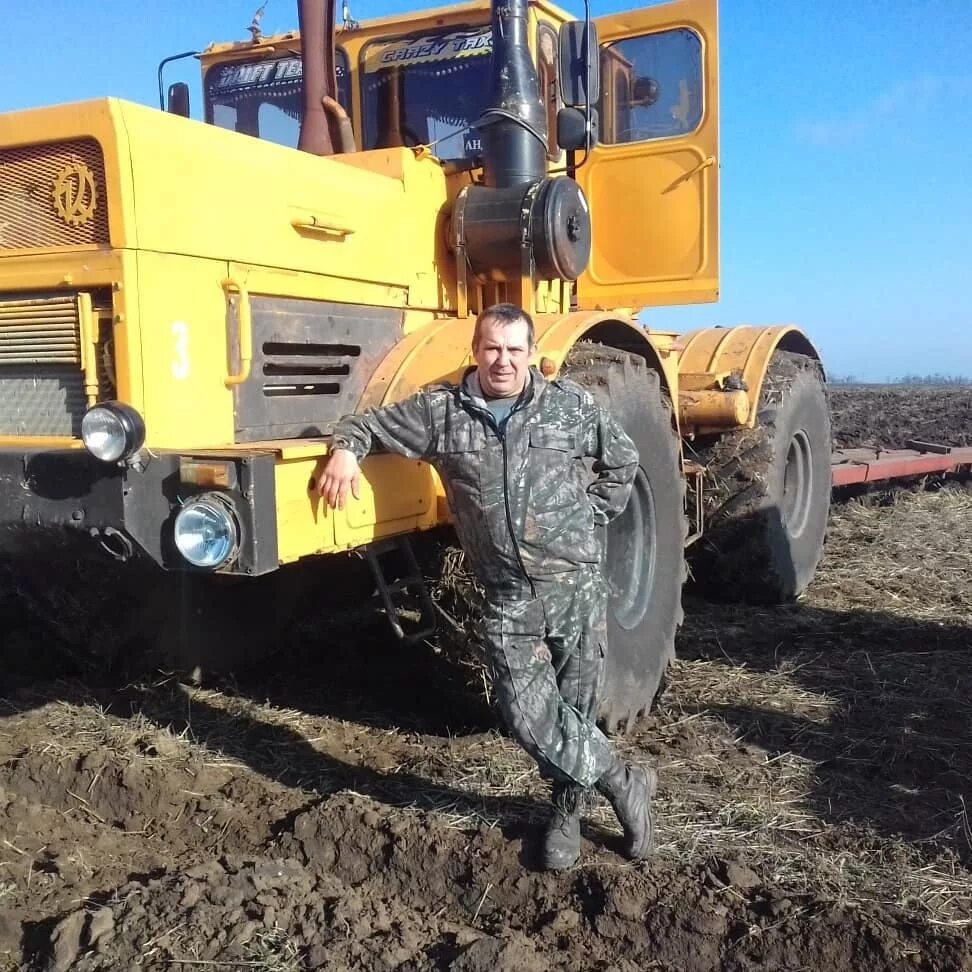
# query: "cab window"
{"points": [[427, 89], [264, 98], [651, 87]]}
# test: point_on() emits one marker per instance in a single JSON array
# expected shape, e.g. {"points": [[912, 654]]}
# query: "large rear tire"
{"points": [[644, 561], [768, 492]]}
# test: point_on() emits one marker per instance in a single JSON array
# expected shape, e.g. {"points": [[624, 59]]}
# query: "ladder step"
{"points": [[412, 582]]}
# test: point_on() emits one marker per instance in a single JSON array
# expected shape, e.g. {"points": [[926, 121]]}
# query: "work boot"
{"points": [[561, 841], [630, 790]]}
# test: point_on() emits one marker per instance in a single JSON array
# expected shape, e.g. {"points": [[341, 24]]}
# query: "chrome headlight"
{"points": [[112, 431], [206, 531]]}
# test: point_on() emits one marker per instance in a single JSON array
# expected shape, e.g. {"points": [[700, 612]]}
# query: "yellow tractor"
{"points": [[187, 308]]}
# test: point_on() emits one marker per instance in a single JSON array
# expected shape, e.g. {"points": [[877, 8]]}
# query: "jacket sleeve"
{"points": [[615, 465], [405, 427]]}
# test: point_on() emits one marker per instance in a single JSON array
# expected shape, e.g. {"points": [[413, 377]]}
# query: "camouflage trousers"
{"points": [[546, 655]]}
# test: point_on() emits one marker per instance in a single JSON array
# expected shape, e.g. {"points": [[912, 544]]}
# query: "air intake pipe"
{"points": [[514, 126]]}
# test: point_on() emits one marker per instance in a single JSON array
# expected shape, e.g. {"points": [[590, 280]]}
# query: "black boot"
{"points": [[630, 790], [561, 841]]}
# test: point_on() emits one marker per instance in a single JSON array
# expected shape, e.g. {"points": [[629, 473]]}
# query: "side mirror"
{"points": [[178, 100], [572, 132], [579, 52]]}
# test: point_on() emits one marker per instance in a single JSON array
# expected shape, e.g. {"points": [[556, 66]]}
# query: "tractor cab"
{"points": [[403, 82]]}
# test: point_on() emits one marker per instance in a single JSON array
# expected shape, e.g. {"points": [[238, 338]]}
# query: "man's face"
{"points": [[503, 358]]}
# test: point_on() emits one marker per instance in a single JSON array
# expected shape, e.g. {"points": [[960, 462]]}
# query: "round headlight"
{"points": [[206, 533], [112, 431]]}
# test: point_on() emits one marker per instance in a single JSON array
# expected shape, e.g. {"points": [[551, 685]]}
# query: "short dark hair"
{"points": [[503, 314]]}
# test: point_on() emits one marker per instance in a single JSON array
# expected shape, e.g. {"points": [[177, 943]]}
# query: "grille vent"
{"points": [[28, 217], [311, 363], [306, 369], [41, 377]]}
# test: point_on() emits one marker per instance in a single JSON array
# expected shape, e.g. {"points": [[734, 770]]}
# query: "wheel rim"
{"points": [[796, 484], [631, 555]]}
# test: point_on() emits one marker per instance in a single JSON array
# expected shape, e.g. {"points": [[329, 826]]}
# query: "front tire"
{"points": [[644, 563]]}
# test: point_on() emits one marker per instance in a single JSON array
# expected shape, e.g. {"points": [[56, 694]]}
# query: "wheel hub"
{"points": [[631, 555], [797, 484]]}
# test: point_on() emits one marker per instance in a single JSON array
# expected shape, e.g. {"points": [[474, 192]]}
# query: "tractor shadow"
{"points": [[398, 715]]}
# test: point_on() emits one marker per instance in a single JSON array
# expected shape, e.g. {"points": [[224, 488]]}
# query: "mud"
{"points": [[132, 860], [351, 804]]}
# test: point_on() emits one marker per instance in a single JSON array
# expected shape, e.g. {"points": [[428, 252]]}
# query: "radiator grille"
{"points": [[41, 382], [29, 216], [45, 330]]}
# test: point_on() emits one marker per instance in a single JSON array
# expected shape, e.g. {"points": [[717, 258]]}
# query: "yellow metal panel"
{"points": [[277, 282], [182, 332], [745, 349], [39, 442], [393, 490], [255, 203], [305, 525], [397, 496], [59, 270], [125, 331], [654, 203]]}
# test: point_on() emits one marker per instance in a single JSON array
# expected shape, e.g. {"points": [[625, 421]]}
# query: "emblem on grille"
{"points": [[74, 194]]}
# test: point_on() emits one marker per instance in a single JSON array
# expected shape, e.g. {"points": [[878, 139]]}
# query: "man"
{"points": [[509, 447]]}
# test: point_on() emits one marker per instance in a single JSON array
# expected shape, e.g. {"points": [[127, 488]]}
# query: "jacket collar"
{"points": [[471, 393]]}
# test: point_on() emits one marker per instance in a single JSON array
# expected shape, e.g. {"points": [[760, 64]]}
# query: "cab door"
{"points": [[652, 179]]}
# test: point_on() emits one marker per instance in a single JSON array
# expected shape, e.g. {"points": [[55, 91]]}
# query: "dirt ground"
{"points": [[887, 416], [356, 807]]}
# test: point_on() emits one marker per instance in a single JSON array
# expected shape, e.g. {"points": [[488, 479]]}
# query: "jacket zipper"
{"points": [[501, 435], [509, 512]]}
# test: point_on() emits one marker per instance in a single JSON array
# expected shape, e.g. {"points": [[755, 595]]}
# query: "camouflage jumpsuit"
{"points": [[527, 515]]}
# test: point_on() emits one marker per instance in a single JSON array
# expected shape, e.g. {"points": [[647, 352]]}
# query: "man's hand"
{"points": [[341, 472]]}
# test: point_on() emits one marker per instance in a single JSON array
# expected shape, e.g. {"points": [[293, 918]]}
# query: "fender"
{"points": [[710, 356], [557, 334]]}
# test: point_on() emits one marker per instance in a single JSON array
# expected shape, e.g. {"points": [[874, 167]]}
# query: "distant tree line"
{"points": [[936, 379]]}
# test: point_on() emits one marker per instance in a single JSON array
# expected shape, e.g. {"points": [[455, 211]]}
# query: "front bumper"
{"points": [[56, 501]]}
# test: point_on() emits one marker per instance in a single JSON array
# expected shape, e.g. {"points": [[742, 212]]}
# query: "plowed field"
{"points": [[353, 805]]}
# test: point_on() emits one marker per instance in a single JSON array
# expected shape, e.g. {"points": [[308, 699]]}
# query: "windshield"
{"points": [[264, 97], [427, 89]]}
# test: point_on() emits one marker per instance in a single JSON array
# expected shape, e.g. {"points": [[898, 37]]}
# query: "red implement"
{"points": [[850, 466]]}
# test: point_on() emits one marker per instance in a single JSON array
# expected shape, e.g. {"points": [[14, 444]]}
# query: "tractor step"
{"points": [[377, 554]]}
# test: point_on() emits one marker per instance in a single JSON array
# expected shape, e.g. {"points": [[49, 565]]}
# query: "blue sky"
{"points": [[845, 149]]}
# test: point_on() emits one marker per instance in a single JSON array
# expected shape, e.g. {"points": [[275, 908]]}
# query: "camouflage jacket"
{"points": [[524, 504]]}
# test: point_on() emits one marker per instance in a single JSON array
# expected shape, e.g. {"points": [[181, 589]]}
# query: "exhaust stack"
{"points": [[316, 20]]}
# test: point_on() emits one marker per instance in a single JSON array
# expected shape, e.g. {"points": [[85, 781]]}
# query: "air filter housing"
{"points": [[502, 230]]}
